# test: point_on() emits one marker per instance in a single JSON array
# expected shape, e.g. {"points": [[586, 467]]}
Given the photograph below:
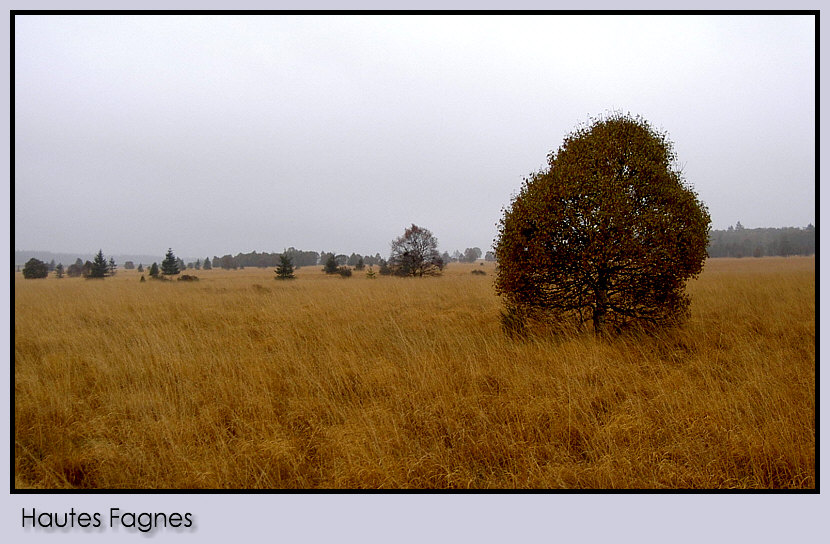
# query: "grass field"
{"points": [[241, 381]]}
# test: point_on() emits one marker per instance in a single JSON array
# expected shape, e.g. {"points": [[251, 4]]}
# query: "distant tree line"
{"points": [[735, 241], [298, 258], [738, 241], [99, 267], [262, 260], [254, 259]]}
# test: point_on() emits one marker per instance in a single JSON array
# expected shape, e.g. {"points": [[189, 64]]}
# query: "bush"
{"points": [[35, 269], [75, 270], [186, 277], [330, 266]]}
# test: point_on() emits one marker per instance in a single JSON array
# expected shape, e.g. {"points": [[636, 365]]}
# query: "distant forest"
{"points": [[735, 241], [738, 241], [265, 260]]}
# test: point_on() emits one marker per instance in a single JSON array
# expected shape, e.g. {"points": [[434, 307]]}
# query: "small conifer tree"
{"points": [[170, 265], [99, 268], [285, 270], [154, 271], [331, 265]]}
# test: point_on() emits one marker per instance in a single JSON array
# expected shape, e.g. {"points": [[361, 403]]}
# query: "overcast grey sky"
{"points": [[221, 134]]}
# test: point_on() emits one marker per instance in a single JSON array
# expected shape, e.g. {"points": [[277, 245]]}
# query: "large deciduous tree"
{"points": [[609, 233], [415, 253]]}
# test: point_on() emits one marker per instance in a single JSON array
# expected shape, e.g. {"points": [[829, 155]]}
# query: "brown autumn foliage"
{"points": [[610, 232], [238, 381]]}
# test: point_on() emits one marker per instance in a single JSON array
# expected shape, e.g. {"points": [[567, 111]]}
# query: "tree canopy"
{"points": [[415, 253], [610, 232]]}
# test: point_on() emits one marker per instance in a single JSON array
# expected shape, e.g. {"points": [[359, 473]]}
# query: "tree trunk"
{"points": [[600, 304], [599, 319]]}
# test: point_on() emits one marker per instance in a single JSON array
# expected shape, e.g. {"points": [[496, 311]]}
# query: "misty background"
{"points": [[224, 134]]}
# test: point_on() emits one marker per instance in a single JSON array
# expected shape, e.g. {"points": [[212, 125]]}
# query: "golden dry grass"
{"points": [[241, 381]]}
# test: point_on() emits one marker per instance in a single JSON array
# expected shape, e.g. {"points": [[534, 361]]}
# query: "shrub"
{"points": [[330, 266], [35, 269]]}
